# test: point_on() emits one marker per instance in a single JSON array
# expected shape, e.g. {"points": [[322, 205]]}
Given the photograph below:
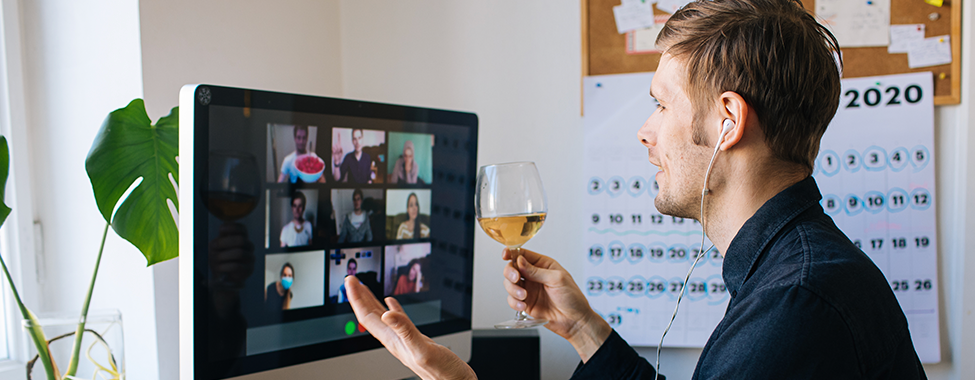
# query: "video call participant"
{"points": [[412, 281], [356, 167], [805, 303], [408, 228], [406, 170], [355, 226], [298, 231], [350, 269], [278, 295], [288, 170]]}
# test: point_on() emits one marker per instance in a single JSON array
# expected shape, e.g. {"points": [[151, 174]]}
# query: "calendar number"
{"points": [[614, 319], [872, 97], [922, 241]]}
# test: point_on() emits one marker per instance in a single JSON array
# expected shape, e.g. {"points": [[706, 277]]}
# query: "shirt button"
{"points": [[734, 293]]}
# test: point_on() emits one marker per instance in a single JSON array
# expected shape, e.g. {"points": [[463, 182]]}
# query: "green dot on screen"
{"points": [[350, 328]]}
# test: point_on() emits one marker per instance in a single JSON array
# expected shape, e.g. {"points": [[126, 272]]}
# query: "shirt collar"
{"points": [[746, 248]]}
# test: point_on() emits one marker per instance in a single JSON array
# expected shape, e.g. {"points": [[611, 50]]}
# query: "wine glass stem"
{"points": [[515, 252]]}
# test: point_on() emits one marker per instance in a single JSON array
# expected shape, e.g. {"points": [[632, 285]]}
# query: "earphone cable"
{"points": [[680, 295]]}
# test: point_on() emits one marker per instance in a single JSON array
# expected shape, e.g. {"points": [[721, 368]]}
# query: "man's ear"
{"points": [[734, 108]]}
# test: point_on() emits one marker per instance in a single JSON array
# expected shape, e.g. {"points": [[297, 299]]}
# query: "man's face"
{"points": [[298, 209], [668, 136], [301, 141], [287, 272], [350, 269], [357, 202], [357, 140]]}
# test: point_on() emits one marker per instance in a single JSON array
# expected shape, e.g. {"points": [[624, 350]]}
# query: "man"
{"points": [[756, 82], [298, 231], [289, 172], [355, 226], [350, 269], [357, 165]]}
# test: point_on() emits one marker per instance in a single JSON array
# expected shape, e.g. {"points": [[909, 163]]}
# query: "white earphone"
{"points": [[725, 127]]}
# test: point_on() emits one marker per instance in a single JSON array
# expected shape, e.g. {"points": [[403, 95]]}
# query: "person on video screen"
{"points": [[357, 165], [406, 169], [350, 270], [355, 226], [413, 281], [278, 295], [298, 231], [412, 228], [289, 172]]}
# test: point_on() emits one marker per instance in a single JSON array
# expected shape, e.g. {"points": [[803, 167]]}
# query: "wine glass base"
{"points": [[520, 323]]}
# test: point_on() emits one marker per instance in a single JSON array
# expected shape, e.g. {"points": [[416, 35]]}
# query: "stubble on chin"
{"points": [[667, 205]]}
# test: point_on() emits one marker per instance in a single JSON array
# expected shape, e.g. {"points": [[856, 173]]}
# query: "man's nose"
{"points": [[647, 133]]}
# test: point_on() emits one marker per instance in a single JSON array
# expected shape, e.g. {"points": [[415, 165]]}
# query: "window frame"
{"points": [[19, 234]]}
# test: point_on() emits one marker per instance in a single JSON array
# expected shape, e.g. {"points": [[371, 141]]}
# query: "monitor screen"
{"points": [[289, 194]]}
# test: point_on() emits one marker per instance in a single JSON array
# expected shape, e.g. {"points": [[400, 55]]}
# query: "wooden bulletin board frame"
{"points": [[604, 49]]}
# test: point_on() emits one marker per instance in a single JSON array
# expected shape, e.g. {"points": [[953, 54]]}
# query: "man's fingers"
{"points": [[537, 274], [514, 290], [361, 298], [516, 304], [394, 305], [402, 326]]}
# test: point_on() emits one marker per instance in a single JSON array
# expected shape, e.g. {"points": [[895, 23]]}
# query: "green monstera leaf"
{"points": [[129, 147]]}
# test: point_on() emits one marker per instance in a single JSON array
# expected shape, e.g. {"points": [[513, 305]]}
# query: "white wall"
{"points": [[285, 45], [517, 65], [81, 61]]}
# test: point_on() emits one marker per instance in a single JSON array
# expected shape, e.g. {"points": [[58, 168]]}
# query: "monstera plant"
{"points": [[128, 149]]}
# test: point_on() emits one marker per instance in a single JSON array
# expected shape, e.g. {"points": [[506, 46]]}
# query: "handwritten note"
{"points": [[902, 36], [856, 23], [932, 51], [671, 6], [633, 15]]}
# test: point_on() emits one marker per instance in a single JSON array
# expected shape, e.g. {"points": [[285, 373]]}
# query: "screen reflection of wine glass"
{"points": [[233, 186], [511, 207], [233, 189]]}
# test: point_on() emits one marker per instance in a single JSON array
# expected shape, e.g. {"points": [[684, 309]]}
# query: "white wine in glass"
{"points": [[511, 207]]}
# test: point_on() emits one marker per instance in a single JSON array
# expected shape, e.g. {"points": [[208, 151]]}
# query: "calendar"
{"points": [[875, 170]]}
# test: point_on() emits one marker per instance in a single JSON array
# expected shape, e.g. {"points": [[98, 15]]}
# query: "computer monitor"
{"points": [[284, 196]]}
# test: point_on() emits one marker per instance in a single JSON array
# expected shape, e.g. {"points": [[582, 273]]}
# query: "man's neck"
{"points": [[736, 194], [358, 154]]}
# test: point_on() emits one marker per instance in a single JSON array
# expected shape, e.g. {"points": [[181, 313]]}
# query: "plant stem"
{"points": [[76, 349], [35, 330]]}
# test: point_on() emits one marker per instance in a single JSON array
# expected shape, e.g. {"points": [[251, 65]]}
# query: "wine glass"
{"points": [[233, 187], [511, 206], [233, 191]]}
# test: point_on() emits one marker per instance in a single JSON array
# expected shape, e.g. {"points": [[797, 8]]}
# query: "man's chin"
{"points": [[672, 208]]}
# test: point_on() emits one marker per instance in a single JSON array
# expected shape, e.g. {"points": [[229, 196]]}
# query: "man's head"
{"points": [[357, 199], [357, 140], [350, 267], [763, 64], [298, 203], [301, 138], [773, 54]]}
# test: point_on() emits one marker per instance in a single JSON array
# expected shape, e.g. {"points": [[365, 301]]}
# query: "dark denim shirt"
{"points": [[805, 304]]}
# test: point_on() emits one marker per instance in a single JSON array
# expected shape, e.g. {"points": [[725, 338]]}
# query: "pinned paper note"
{"points": [[633, 15], [902, 36], [644, 41], [671, 6], [856, 23], [932, 51]]}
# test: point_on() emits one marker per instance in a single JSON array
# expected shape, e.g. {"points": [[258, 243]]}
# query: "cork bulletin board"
{"points": [[604, 49]]}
